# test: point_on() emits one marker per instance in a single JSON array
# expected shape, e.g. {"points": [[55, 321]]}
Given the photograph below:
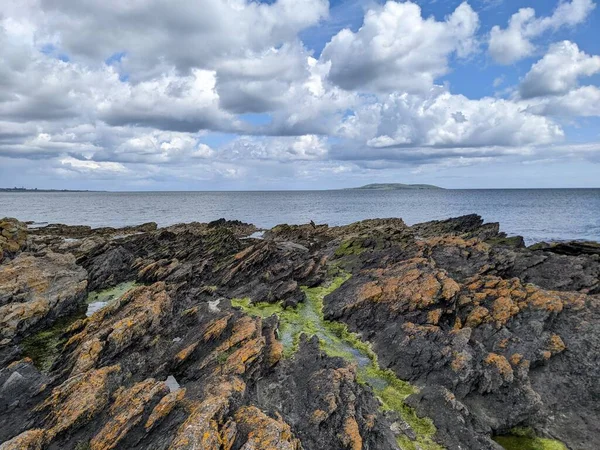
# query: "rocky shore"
{"points": [[374, 335]]}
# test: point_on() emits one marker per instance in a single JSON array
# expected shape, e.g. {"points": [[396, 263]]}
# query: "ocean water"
{"points": [[536, 214]]}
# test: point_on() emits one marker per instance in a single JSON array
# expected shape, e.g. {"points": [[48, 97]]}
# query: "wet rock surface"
{"points": [[491, 335]]}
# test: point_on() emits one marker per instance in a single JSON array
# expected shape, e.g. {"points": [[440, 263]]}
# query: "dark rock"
{"points": [[494, 334]]}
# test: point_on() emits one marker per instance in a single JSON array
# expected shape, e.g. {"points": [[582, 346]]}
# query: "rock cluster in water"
{"points": [[374, 335]]}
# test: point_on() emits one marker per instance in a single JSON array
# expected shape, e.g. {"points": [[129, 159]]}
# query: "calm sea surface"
{"points": [[536, 214]]}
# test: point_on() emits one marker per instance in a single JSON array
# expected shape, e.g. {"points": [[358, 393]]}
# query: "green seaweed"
{"points": [[526, 439], [45, 346], [349, 247], [337, 341], [113, 293]]}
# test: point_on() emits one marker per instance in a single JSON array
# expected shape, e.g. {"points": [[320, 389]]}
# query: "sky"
{"points": [[299, 94]]}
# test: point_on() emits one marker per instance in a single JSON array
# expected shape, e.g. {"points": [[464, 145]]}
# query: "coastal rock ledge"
{"points": [[374, 335]]}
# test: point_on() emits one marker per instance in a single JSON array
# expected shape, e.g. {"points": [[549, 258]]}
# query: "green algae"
{"points": [[349, 247], [336, 340], [45, 346], [525, 439], [110, 294]]}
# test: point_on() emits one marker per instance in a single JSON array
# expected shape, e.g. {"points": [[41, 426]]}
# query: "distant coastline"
{"points": [[21, 189], [394, 187]]}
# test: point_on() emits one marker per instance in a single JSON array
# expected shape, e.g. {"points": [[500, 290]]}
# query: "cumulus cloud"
{"points": [[169, 102], [558, 71], [300, 148], [513, 43], [225, 91], [157, 147], [396, 49], [580, 102], [190, 34], [441, 119], [87, 167]]}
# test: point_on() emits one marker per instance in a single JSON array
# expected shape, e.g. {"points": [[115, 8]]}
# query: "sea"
{"points": [[536, 214]]}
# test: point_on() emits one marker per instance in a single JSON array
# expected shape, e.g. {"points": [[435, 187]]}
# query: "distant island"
{"points": [[22, 189], [395, 186]]}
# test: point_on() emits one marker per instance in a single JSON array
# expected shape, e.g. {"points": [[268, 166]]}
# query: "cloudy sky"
{"points": [[298, 94]]}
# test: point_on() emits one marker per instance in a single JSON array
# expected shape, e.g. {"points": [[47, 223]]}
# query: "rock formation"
{"points": [[374, 335]]}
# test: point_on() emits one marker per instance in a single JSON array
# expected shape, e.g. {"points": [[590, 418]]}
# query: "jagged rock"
{"points": [[325, 406], [126, 412], [256, 431], [35, 291], [13, 237], [495, 335]]}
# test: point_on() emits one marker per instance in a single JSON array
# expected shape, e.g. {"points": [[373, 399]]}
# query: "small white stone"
{"points": [[213, 306], [172, 383]]}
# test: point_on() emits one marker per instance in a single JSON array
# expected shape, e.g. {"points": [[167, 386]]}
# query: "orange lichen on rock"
{"points": [[33, 286], [556, 344], [350, 437], [460, 361], [503, 343], [13, 236], [87, 356], [228, 435], [263, 432], [215, 328], [516, 359], [412, 329], [239, 360], [164, 408], [370, 292], [147, 307], [477, 316], [186, 352], [455, 243], [273, 349], [126, 412], [244, 328], [318, 416], [78, 399], [201, 428], [502, 364], [409, 285], [503, 309], [546, 300], [433, 317], [28, 440]]}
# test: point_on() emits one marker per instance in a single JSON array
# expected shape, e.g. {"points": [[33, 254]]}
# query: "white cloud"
{"points": [[158, 147], [224, 91], [396, 49], [580, 102], [93, 168], [440, 119], [300, 148], [169, 102], [513, 43], [192, 33], [558, 71]]}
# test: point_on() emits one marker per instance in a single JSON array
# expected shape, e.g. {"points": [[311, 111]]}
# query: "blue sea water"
{"points": [[536, 214]]}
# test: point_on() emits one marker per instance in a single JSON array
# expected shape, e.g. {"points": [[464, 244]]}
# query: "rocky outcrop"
{"points": [[325, 406], [13, 237], [480, 343], [35, 290], [492, 335]]}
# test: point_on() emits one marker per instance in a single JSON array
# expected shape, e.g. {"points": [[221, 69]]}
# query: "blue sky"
{"points": [[299, 94]]}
